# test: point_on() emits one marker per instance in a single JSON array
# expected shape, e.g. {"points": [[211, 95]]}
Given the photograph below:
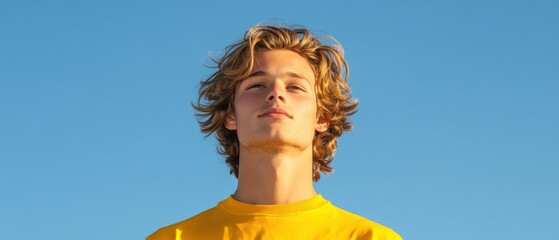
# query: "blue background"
{"points": [[456, 136]]}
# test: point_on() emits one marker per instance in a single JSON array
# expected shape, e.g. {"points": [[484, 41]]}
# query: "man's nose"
{"points": [[276, 93]]}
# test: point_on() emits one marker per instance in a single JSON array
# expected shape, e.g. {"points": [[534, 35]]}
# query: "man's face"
{"points": [[276, 105]]}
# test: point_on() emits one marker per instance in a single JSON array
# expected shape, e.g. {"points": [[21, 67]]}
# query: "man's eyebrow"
{"points": [[289, 74], [257, 73], [296, 75]]}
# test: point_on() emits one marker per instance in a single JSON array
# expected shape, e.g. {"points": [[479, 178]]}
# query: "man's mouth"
{"points": [[275, 113]]}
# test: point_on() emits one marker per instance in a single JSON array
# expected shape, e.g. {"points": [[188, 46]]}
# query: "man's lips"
{"points": [[275, 112]]}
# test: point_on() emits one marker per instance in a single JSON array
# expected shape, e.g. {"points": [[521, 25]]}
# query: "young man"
{"points": [[277, 104]]}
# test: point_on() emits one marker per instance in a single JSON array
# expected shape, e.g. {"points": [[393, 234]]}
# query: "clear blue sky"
{"points": [[456, 136]]}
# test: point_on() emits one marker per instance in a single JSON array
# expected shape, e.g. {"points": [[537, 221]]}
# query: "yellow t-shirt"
{"points": [[315, 218]]}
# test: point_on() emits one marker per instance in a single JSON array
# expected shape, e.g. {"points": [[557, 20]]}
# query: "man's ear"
{"points": [[231, 122], [321, 125]]}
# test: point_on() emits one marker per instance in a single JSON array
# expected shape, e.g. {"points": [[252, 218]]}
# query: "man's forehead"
{"points": [[295, 64]]}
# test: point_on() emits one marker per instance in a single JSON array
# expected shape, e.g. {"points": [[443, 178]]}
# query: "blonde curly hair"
{"points": [[334, 100]]}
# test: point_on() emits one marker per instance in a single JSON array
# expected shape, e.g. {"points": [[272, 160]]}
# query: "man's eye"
{"points": [[257, 85], [295, 87]]}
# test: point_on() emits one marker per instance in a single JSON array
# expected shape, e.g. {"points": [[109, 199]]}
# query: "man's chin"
{"points": [[275, 141]]}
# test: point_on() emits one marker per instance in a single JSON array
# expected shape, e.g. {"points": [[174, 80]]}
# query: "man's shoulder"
{"points": [[363, 226], [198, 221]]}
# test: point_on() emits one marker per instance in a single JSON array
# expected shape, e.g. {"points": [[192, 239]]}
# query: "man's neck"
{"points": [[274, 177]]}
